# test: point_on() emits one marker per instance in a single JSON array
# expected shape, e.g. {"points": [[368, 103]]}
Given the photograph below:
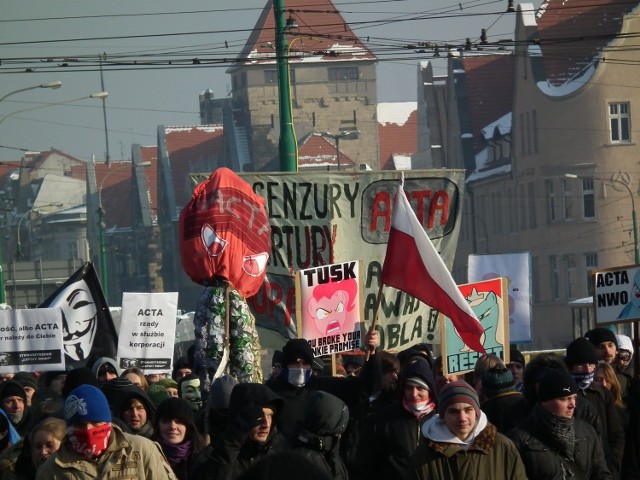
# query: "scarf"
{"points": [[418, 409], [559, 432], [583, 380], [89, 442], [175, 453], [146, 431]]}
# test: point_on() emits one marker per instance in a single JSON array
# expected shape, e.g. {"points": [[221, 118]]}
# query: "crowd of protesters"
{"points": [[379, 416]]}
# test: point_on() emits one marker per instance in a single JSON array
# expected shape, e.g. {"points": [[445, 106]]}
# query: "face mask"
{"points": [[418, 409], [298, 377], [90, 443], [583, 380]]}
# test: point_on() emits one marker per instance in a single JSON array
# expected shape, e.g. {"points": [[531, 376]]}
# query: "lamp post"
{"points": [[99, 95], [52, 85], [102, 225], [336, 138], [24, 215], [636, 256]]}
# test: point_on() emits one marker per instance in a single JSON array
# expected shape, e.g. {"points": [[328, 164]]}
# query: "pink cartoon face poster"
{"points": [[329, 307]]}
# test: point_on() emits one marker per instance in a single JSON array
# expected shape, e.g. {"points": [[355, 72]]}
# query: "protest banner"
{"points": [[516, 268], [616, 295], [489, 301], [147, 331], [329, 307], [31, 340], [321, 218]]}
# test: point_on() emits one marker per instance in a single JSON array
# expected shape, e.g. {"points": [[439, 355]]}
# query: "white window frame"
{"points": [[619, 122]]}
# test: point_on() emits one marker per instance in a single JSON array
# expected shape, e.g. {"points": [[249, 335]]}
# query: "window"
{"points": [[270, 76], [343, 73], [534, 131], [554, 281], [535, 279], [566, 199], [588, 199], [551, 202], [619, 122], [590, 263], [570, 263], [72, 250], [512, 212], [531, 199]]}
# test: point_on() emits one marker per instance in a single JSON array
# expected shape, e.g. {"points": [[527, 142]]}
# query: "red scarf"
{"points": [[89, 442]]}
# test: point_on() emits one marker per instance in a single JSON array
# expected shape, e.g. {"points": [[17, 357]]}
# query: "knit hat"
{"points": [[624, 343], [357, 360], [419, 372], [580, 351], [157, 394], [105, 364], [297, 348], [77, 377], [167, 383], [516, 355], [601, 334], [458, 392], [26, 379], [556, 384], [174, 407], [496, 381], [12, 389], [86, 403], [220, 392], [114, 388], [276, 358]]}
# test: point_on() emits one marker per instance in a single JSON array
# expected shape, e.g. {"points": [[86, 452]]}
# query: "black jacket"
{"points": [[541, 462], [496, 408]]}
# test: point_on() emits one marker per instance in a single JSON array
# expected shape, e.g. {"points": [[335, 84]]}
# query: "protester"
{"points": [[177, 435], [440, 377], [105, 369], [552, 443], [484, 363], [286, 465], [462, 444], [605, 376], [170, 385], [13, 400], [181, 368], [516, 365], [581, 360], [54, 380], [43, 441], [295, 382], [76, 377], [421, 350], [623, 363], [95, 448], [318, 437], [136, 411], [388, 392], [157, 394], [352, 364], [8, 434], [29, 383], [389, 437], [249, 436], [217, 409], [606, 344], [136, 377], [189, 389], [154, 377], [499, 394], [276, 364]]}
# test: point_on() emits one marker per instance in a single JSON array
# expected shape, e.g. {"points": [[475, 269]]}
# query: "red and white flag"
{"points": [[413, 265]]}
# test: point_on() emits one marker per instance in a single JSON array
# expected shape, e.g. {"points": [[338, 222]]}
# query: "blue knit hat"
{"points": [[86, 403]]}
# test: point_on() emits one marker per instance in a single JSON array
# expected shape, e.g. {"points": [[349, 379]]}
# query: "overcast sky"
{"points": [[32, 34]]}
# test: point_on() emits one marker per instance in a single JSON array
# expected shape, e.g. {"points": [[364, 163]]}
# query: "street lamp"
{"points": [[100, 95], [52, 85], [102, 226], [336, 138], [24, 215]]}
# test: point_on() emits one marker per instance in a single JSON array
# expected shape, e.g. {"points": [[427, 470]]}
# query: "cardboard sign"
{"points": [[329, 307], [489, 301], [616, 295], [31, 340], [147, 331]]}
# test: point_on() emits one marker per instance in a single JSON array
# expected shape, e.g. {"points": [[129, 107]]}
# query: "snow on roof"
{"points": [[475, 176], [503, 124], [395, 112], [570, 86], [402, 162], [188, 128], [529, 13]]}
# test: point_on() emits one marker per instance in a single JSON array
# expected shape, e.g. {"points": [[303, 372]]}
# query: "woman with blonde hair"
{"points": [[605, 376], [136, 377]]}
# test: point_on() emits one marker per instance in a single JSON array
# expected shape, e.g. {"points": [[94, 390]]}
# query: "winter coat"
{"points": [[122, 403], [496, 408], [490, 456], [611, 432], [231, 453], [541, 462], [127, 457], [351, 390]]}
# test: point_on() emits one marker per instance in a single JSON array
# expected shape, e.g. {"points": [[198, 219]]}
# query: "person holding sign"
{"points": [[96, 448], [462, 444]]}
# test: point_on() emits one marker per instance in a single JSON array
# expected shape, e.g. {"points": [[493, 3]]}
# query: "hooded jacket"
{"points": [[122, 402], [232, 452], [392, 433], [101, 361]]}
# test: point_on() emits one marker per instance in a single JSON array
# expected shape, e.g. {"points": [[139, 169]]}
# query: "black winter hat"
{"points": [[276, 358], [419, 371], [220, 392], [174, 407], [556, 384], [325, 414], [297, 348], [256, 393], [496, 381], [26, 379], [516, 355], [77, 377], [12, 389], [581, 350], [114, 388], [601, 334]]}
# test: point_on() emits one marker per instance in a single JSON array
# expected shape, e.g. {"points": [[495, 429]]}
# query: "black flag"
{"points": [[88, 330]]}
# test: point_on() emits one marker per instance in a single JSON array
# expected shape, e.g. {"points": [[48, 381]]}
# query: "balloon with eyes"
{"points": [[225, 240]]}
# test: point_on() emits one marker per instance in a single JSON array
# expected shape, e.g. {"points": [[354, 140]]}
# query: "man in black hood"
{"points": [[249, 436]]}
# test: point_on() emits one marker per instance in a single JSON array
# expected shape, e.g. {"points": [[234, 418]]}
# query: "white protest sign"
{"points": [[31, 340], [147, 331], [616, 295]]}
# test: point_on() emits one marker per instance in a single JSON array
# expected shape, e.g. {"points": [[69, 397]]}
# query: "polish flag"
{"points": [[413, 265]]}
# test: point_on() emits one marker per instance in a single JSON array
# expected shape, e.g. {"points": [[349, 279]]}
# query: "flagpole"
{"points": [[375, 316]]}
